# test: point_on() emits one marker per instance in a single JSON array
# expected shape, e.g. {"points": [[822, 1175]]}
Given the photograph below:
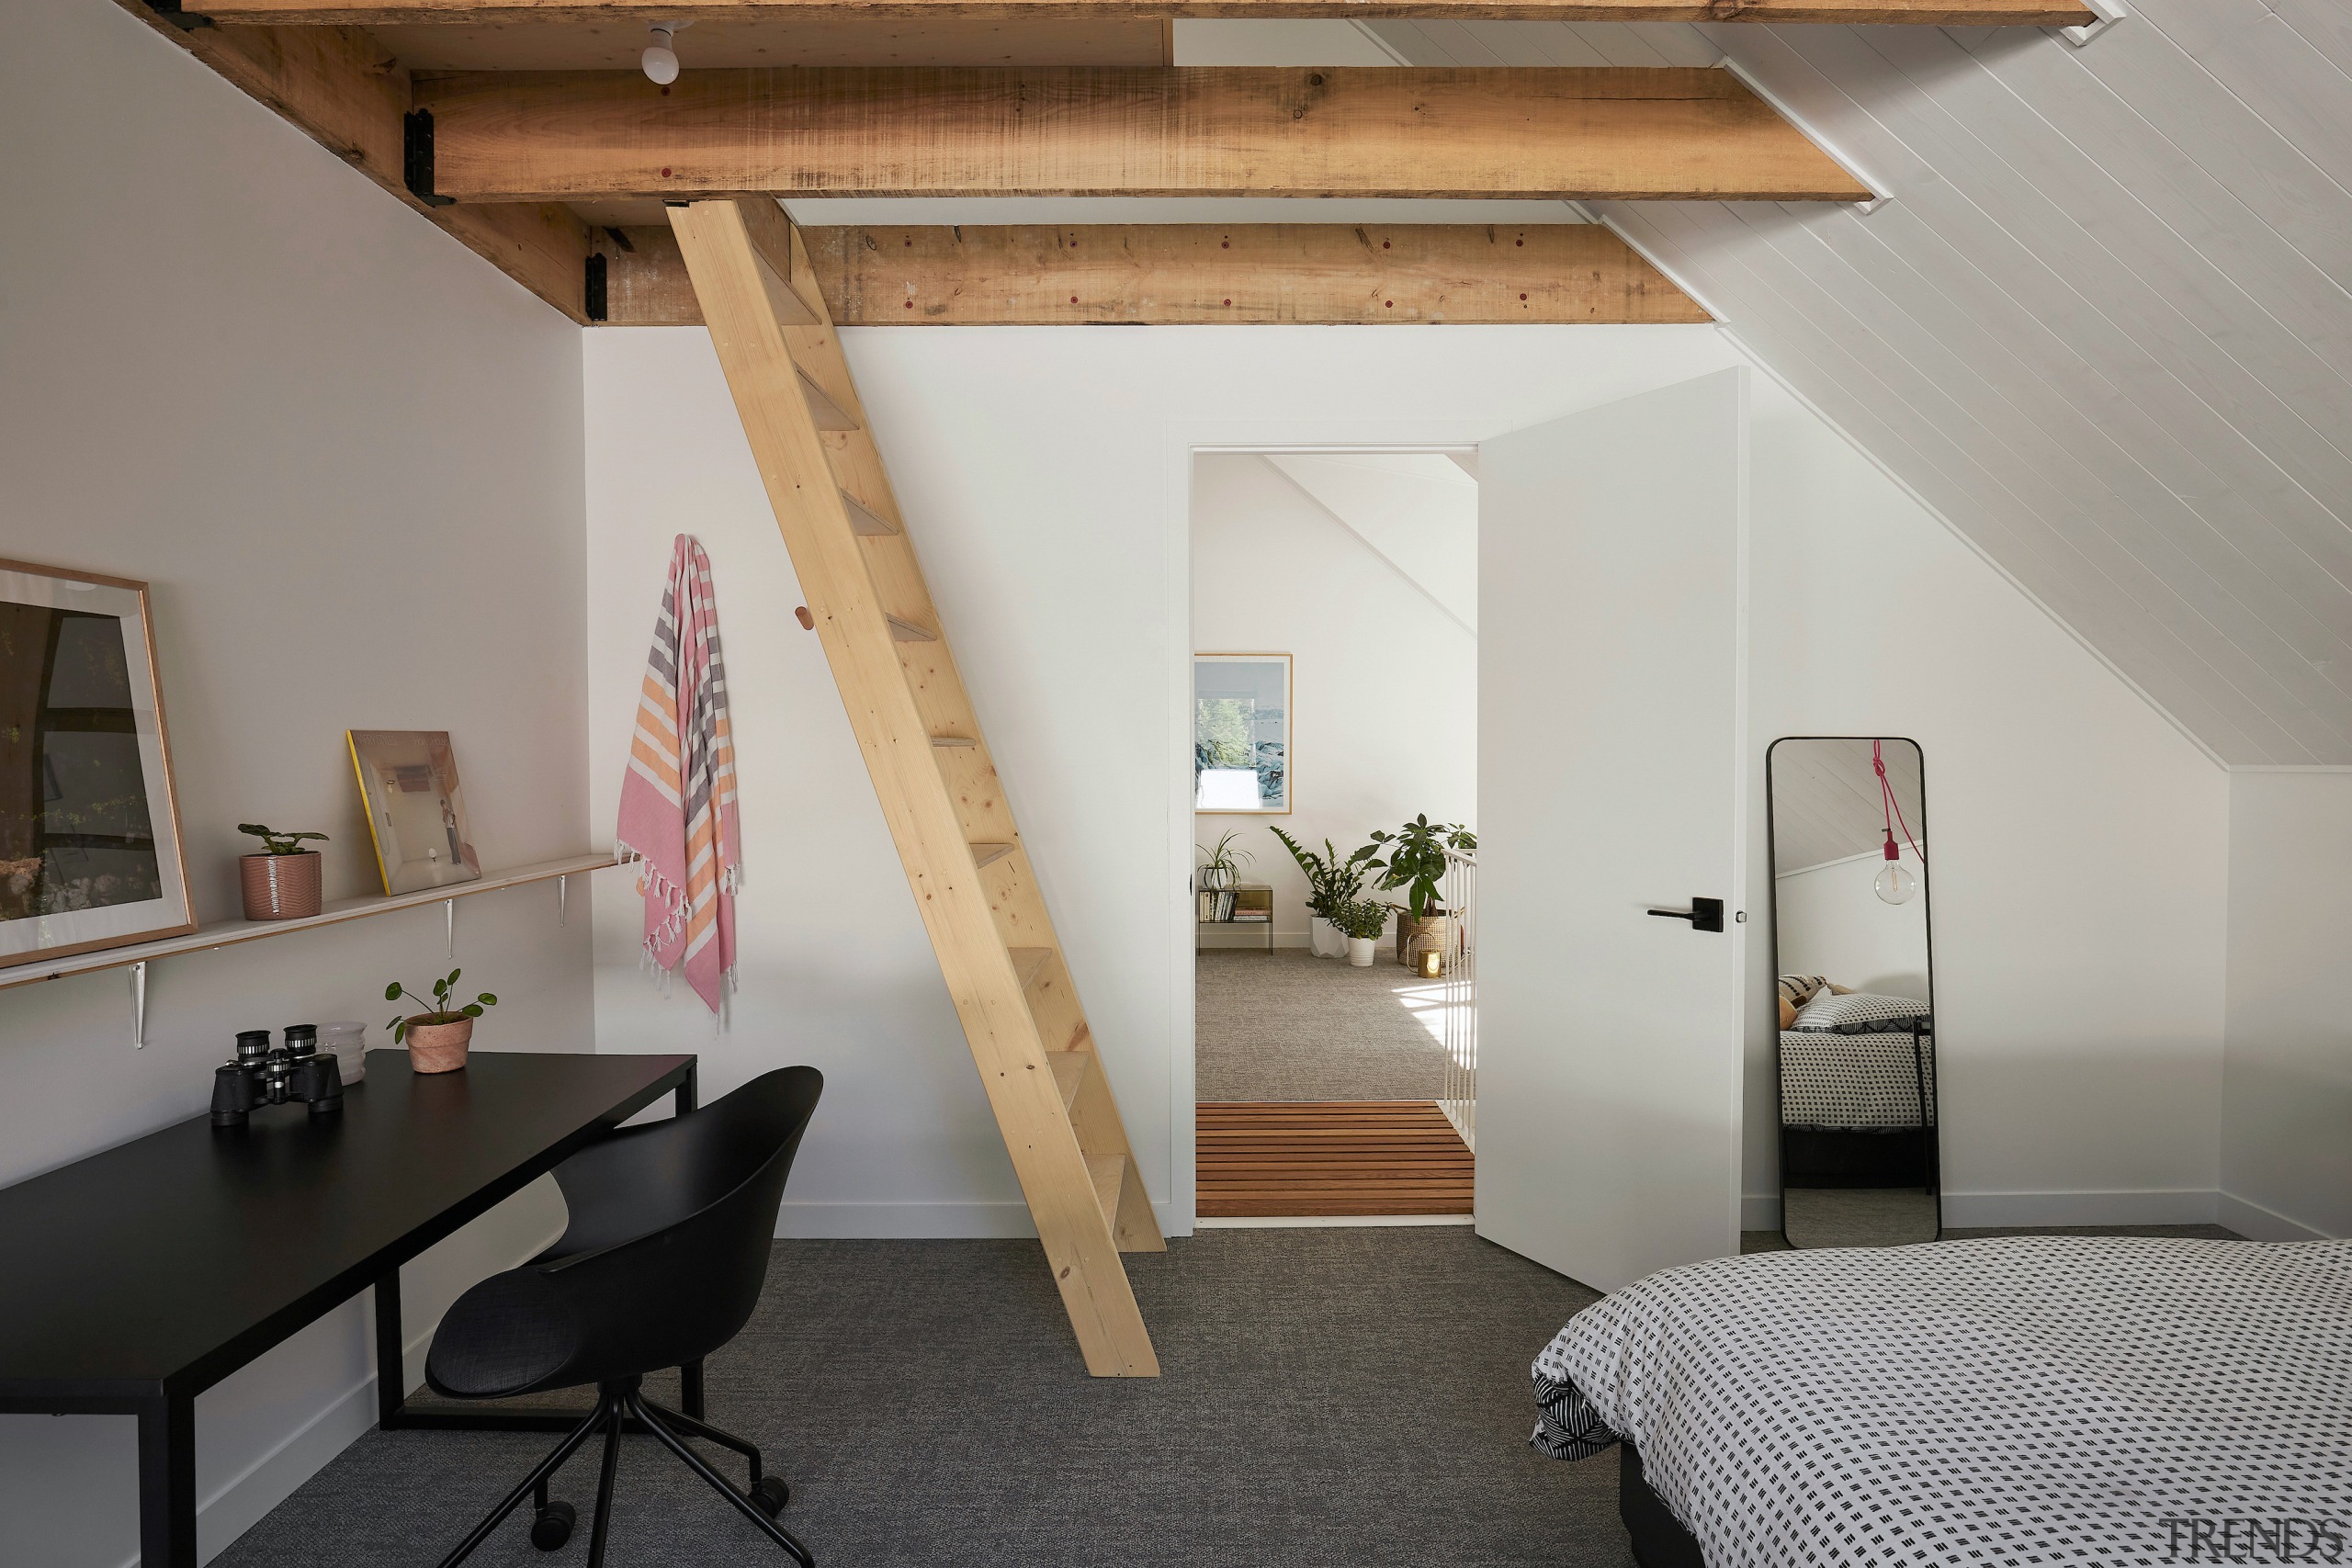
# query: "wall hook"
{"points": [[562, 900], [138, 1005], [449, 916]]}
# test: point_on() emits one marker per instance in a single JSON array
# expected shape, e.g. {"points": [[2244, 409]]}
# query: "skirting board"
{"points": [[2254, 1222], [919, 1221]]}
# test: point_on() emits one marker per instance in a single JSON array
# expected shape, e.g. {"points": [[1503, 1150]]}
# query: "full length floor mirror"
{"points": [[1851, 937]]}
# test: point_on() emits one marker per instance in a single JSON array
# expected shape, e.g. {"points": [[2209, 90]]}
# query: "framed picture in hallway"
{"points": [[1241, 733]]}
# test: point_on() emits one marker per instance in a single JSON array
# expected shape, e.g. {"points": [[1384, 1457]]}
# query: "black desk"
{"points": [[138, 1278]]}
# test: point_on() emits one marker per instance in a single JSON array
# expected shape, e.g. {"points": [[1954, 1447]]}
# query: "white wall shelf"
{"points": [[229, 933]]}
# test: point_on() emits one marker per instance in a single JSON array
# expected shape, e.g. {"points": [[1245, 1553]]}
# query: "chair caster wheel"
{"points": [[553, 1526], [771, 1494]]}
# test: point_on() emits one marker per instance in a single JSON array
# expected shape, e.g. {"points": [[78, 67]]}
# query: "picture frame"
{"points": [[416, 809], [91, 853], [1242, 734]]}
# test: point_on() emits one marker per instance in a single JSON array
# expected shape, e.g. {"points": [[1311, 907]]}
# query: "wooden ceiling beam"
{"points": [[1564, 133], [337, 86], [1929, 13], [1163, 275]]}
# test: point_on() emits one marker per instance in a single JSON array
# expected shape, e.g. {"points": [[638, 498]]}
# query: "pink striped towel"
{"points": [[677, 816]]}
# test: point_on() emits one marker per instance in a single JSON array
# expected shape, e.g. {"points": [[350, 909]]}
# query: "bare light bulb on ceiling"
{"points": [[1896, 883], [660, 60]]}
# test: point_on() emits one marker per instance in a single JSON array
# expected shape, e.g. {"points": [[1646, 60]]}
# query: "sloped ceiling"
{"points": [[1827, 807], [2102, 325], [1417, 511]]}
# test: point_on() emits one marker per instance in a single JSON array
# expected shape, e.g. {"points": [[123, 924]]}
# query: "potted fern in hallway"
{"points": [[1331, 881]]}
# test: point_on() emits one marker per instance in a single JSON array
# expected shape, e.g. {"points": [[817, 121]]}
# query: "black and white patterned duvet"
{"points": [[1841, 1081], [2062, 1400]]}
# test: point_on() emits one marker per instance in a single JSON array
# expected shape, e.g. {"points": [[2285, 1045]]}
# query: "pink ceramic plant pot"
{"points": [[438, 1047], [281, 887]]}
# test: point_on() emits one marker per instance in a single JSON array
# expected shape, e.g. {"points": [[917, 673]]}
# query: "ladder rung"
{"points": [[786, 305], [907, 631], [829, 414], [953, 741], [864, 519], [1069, 1072], [1108, 1171], [988, 855], [1028, 961]]}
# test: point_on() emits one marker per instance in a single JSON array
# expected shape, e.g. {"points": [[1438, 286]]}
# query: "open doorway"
{"points": [[1335, 786]]}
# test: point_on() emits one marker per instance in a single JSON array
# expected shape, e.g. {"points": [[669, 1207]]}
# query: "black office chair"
{"points": [[661, 1265]]}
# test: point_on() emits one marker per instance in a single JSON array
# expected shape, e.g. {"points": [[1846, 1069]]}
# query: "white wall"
{"points": [[1044, 474], [346, 455], [1831, 922], [2080, 849], [1384, 681], [2287, 1130]]}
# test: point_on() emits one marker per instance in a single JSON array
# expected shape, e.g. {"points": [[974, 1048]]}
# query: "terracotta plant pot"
{"points": [[438, 1047], [281, 887]]}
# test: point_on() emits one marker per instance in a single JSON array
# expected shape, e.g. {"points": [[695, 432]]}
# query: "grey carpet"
{"points": [[1342, 1397], [1285, 1025]]}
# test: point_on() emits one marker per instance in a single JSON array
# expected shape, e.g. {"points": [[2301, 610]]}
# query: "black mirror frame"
{"points": [[1932, 1131]]}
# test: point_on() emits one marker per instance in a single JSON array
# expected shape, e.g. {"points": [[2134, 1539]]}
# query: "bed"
{"points": [[2020, 1400], [1858, 1109]]}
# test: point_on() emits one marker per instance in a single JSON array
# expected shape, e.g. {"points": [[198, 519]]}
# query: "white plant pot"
{"points": [[1216, 878], [1360, 950], [1324, 940]]}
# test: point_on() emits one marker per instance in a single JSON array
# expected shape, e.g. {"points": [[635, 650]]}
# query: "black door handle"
{"points": [[1704, 914]]}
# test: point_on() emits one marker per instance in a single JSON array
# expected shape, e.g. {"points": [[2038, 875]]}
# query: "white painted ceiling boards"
{"points": [[2101, 325]]}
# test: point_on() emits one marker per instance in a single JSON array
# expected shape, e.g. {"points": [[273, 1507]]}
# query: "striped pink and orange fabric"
{"points": [[677, 820]]}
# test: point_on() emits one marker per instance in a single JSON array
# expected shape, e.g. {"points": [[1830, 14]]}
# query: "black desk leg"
{"points": [[168, 1483], [690, 1377], [391, 1356]]}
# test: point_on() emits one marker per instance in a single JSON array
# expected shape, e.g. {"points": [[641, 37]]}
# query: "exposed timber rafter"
{"points": [[1560, 132], [1157, 275], [348, 93], [1932, 12]]}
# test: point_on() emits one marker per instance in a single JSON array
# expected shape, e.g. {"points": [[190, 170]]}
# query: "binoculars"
{"points": [[262, 1077]]}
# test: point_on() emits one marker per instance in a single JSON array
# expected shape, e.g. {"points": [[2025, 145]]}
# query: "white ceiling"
{"points": [[2102, 325], [1418, 512], [1827, 806]]}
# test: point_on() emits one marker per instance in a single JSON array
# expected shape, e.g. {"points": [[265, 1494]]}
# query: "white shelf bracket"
{"points": [[449, 918], [2110, 13], [138, 1005]]}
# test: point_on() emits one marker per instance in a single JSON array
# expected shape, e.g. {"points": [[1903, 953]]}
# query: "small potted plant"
{"points": [[438, 1037], [1220, 870], [283, 882], [1331, 881], [1360, 921]]}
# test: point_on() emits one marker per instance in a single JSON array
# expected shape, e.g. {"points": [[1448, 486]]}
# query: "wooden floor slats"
{"points": [[1319, 1157]]}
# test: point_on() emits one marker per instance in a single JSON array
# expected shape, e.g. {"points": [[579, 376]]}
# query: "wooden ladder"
{"points": [[930, 765]]}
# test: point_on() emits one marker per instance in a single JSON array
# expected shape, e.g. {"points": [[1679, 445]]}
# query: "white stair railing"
{"points": [[1460, 892]]}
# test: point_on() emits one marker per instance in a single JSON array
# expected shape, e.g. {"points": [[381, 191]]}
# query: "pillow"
{"points": [[1788, 1013], [1863, 1012], [1798, 989]]}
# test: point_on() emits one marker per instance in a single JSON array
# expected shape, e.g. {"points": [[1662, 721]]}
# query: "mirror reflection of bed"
{"points": [[1856, 1058]]}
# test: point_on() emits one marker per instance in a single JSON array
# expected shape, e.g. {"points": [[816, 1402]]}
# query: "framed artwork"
{"points": [[416, 812], [1241, 733], [89, 826]]}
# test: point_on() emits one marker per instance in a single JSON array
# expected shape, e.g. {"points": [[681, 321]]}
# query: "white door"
{"points": [[1611, 595]]}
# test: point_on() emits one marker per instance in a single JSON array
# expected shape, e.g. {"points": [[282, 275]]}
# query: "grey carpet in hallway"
{"points": [[1344, 1397], [1284, 1025]]}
